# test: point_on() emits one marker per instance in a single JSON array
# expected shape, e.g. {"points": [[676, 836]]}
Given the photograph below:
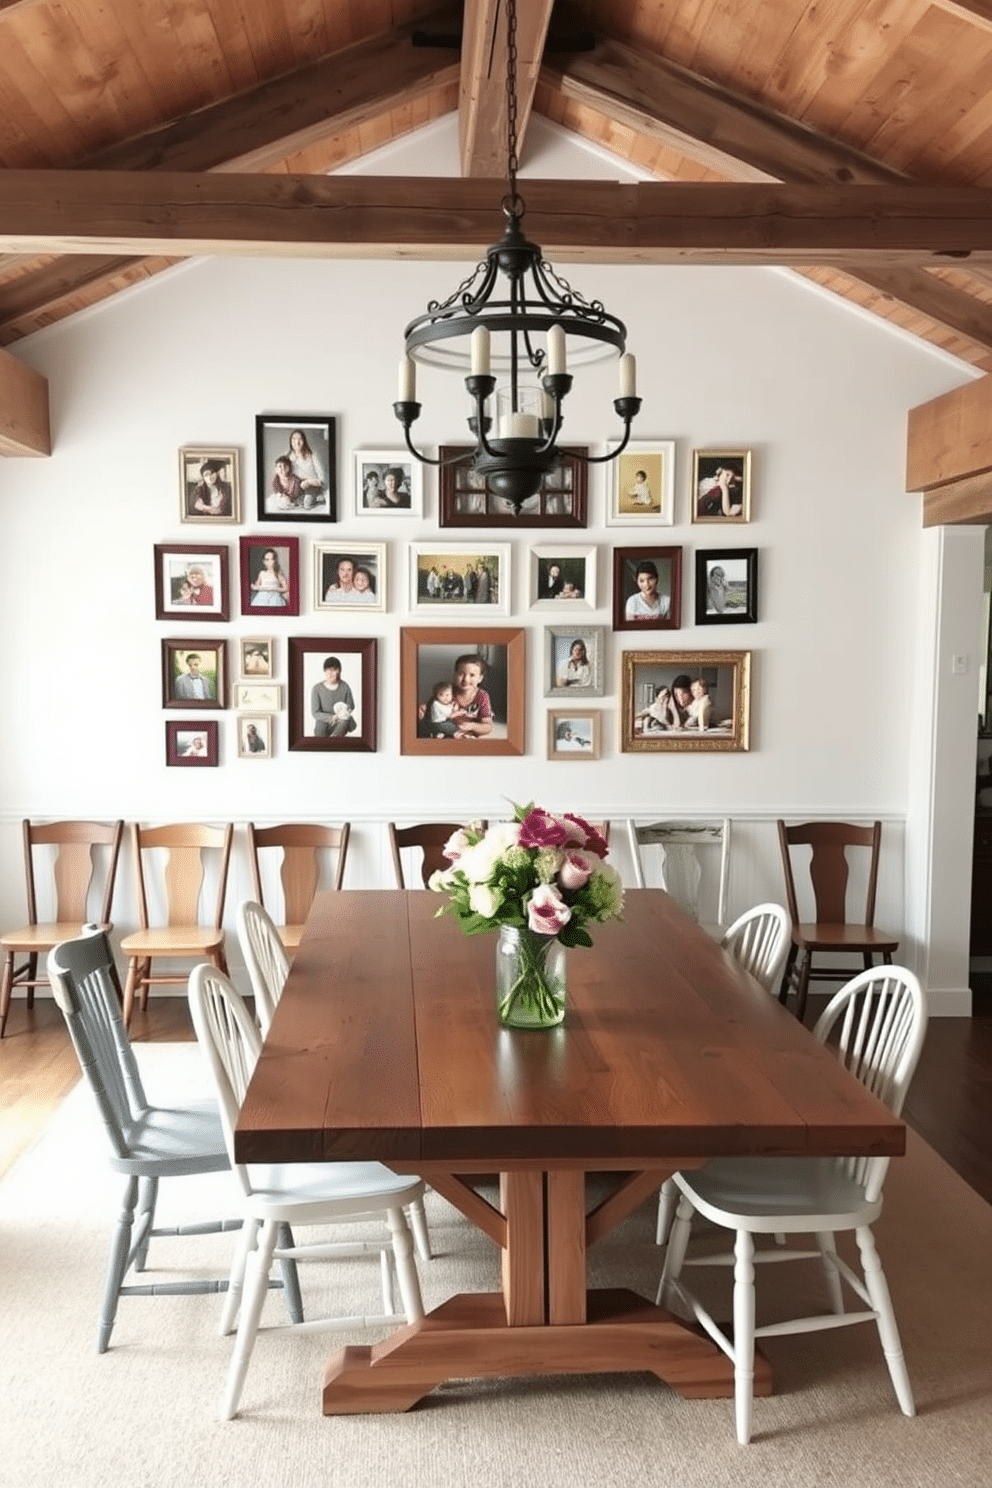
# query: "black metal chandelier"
{"points": [[517, 453]]}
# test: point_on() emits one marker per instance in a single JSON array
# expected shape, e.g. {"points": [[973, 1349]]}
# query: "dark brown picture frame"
{"points": [[668, 562], [169, 603], [441, 645], [305, 656], [462, 490], [176, 753], [253, 549], [175, 652]]}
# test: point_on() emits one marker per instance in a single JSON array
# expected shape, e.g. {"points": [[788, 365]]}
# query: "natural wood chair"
{"points": [[681, 870], [187, 845], [430, 837], [831, 931], [302, 845], [74, 872]]}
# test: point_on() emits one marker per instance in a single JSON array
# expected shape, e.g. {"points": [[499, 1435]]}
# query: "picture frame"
{"points": [[306, 490], [209, 484], [349, 576], [574, 734], [569, 672], [191, 742], [643, 486], [466, 500], [255, 733], [726, 586], [646, 722], [428, 655], [191, 582], [194, 673], [632, 608], [342, 717], [451, 566], [266, 589], [562, 577], [387, 483], [258, 697], [719, 496], [256, 657]]}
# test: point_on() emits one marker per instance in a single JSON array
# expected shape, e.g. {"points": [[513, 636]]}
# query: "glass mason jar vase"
{"points": [[530, 979]]}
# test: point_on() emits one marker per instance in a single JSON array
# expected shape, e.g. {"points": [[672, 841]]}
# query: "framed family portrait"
{"points": [[647, 588], [270, 576], [209, 485], [388, 483], [466, 499], [258, 697], [349, 576], [562, 577], [255, 736], [721, 485], [194, 674], [296, 457], [456, 579], [191, 582], [332, 693], [726, 586], [255, 656], [189, 742], [686, 700], [574, 660], [643, 484], [573, 734], [462, 691]]}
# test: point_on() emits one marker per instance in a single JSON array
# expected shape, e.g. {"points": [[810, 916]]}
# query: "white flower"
{"points": [[455, 845], [484, 901]]}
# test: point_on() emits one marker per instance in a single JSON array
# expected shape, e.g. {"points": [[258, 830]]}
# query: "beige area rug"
{"points": [[144, 1413]]}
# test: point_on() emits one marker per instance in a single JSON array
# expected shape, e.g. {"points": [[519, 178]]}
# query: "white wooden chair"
{"points": [[680, 869], [296, 1194], [879, 1021]]}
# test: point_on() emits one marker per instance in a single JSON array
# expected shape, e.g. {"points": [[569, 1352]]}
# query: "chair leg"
{"points": [[827, 1245], [120, 1247], [406, 1266], [787, 975], [668, 1198], [6, 989], [678, 1244], [135, 970], [802, 985], [256, 1282], [232, 1297], [290, 1276], [878, 1291], [744, 1334], [421, 1234], [148, 1197], [32, 977]]}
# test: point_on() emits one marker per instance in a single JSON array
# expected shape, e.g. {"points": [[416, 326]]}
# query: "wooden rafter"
{"points": [[24, 421], [482, 121]]}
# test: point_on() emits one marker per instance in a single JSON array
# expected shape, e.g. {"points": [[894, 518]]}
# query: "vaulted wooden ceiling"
{"points": [[851, 139]]}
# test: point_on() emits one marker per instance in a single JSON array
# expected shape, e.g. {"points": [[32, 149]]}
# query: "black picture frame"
{"points": [[274, 438], [726, 586], [465, 499]]}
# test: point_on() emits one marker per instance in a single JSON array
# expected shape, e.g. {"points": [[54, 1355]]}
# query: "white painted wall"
{"points": [[726, 357]]}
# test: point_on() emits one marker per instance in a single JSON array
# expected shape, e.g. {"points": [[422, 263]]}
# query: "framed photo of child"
{"points": [[643, 490], [721, 485], [296, 458], [697, 700], [191, 743], [573, 735], [726, 586], [332, 693], [462, 691], [194, 674], [209, 485], [270, 576], [647, 588]]}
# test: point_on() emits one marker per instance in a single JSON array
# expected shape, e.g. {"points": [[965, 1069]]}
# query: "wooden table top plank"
{"points": [[667, 1049]]}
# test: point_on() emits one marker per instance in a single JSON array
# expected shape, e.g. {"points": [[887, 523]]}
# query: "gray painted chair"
{"points": [[147, 1142]]}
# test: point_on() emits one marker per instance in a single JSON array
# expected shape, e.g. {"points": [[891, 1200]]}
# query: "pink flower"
{"points": [[541, 829], [546, 911], [576, 869], [581, 832]]}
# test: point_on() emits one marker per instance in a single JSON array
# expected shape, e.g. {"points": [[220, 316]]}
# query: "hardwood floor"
{"points": [[949, 1104]]}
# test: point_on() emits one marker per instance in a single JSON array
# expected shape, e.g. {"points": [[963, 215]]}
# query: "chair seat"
{"points": [[170, 940], [768, 1194], [829, 937], [166, 1142], [41, 937], [290, 1190]]}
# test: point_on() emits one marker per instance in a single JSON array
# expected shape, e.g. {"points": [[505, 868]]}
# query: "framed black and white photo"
{"points": [[209, 485], [349, 576], [647, 588], [462, 691], [562, 577], [333, 700], [726, 586], [270, 576], [296, 458], [454, 581], [721, 485], [574, 660], [191, 582], [387, 483], [573, 734], [643, 488], [687, 700], [466, 499]]}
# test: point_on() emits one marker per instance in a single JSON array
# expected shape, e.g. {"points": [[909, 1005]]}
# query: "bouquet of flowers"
{"points": [[542, 876]]}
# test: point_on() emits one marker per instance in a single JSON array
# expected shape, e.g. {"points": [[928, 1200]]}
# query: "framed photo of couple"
{"points": [[688, 700], [462, 691], [387, 483]]}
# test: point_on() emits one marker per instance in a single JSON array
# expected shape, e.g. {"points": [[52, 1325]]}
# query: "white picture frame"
{"points": [[576, 571], [371, 485], [256, 657], [255, 731], [452, 565], [648, 502], [368, 569], [258, 697]]}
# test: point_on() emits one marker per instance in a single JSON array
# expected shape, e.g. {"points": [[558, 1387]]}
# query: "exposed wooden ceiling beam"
{"points": [[745, 141], [977, 11], [184, 215], [24, 422], [482, 109]]}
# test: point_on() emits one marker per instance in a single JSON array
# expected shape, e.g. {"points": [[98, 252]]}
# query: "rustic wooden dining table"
{"points": [[385, 1045]]}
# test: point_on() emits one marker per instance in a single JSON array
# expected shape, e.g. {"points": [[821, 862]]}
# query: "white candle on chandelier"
{"points": [[518, 426], [628, 376], [480, 351], [556, 351], [408, 381]]}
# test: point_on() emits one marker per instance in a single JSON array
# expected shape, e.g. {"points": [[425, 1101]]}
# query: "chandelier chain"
{"points": [[512, 163]]}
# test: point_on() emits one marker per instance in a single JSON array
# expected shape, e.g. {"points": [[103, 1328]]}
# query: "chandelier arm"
{"points": [[627, 413]]}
